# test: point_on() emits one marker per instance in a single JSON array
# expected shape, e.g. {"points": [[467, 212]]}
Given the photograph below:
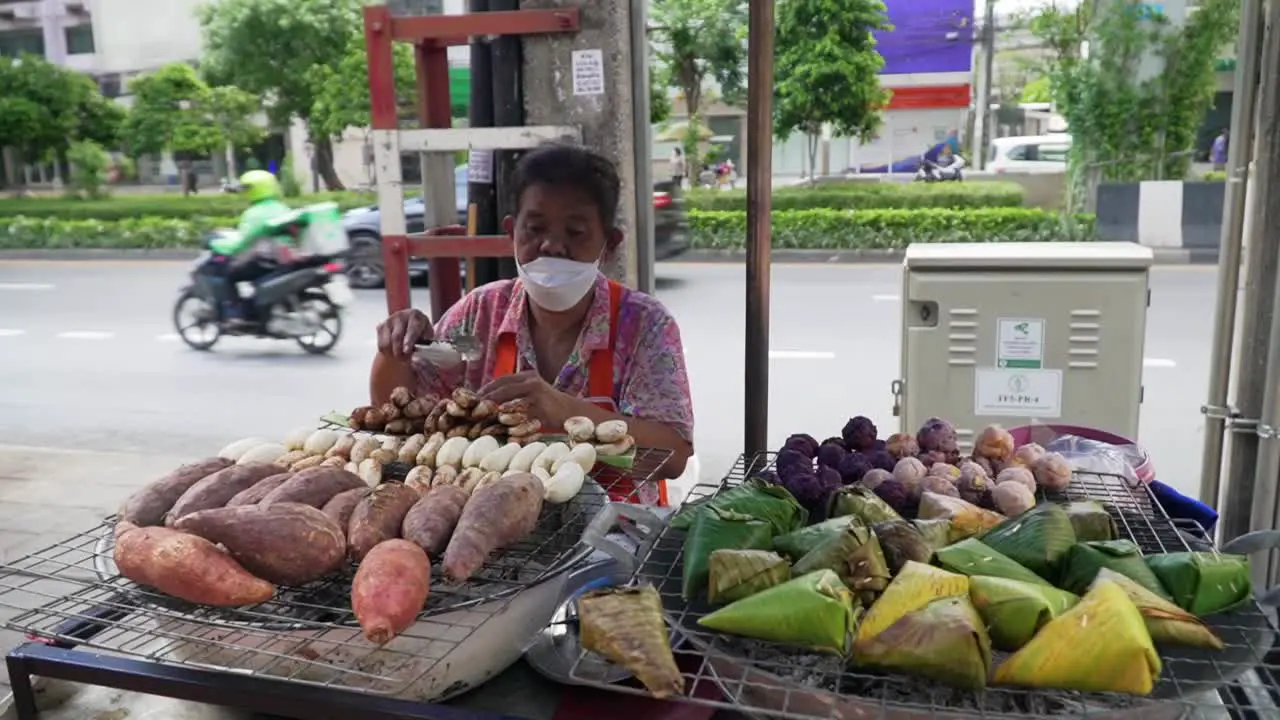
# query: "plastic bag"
{"points": [[1094, 451]]}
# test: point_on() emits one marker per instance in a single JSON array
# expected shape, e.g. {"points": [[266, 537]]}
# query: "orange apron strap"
{"points": [[504, 356]]}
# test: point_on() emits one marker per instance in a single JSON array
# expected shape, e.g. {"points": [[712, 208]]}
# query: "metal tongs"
{"points": [[461, 348]]}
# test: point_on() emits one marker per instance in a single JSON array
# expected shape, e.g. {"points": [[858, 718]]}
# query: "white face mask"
{"points": [[557, 284]]}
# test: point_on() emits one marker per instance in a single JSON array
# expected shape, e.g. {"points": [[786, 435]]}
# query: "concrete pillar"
{"points": [[605, 119]]}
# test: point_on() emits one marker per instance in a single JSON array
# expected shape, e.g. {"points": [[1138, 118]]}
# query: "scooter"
{"points": [[299, 298], [931, 171]]}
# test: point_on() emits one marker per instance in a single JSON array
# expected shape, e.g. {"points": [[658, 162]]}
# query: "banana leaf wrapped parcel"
{"points": [[1013, 610], [797, 543], [1204, 583], [855, 556], [625, 626], [966, 518], [862, 504], [815, 611], [1166, 622], [924, 625], [1038, 539], [755, 497], [1091, 521], [936, 532], [973, 558], [736, 574], [1100, 645], [1123, 556], [717, 529], [902, 542]]}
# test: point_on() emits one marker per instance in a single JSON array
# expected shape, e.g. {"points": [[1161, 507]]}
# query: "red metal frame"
{"points": [[431, 36]]}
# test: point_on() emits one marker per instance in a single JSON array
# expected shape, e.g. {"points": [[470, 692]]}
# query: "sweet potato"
{"points": [[339, 509], [217, 490], [187, 567], [496, 516], [390, 589], [431, 520], [314, 487], [286, 543], [378, 517], [149, 505], [254, 495]]}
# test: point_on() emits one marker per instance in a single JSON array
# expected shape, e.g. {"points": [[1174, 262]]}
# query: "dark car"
{"points": [[363, 225]]}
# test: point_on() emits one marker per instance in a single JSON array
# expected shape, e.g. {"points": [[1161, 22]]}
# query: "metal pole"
{"points": [[1267, 220], [482, 196], [1243, 109], [508, 111], [643, 145], [1258, 308], [759, 230], [984, 86]]}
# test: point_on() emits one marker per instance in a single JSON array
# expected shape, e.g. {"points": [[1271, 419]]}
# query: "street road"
{"points": [[88, 360]]}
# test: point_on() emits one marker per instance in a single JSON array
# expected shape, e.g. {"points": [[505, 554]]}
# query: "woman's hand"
{"points": [[399, 334], [547, 404]]}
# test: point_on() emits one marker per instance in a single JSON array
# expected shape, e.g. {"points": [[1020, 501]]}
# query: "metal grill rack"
{"points": [[70, 595], [769, 680]]}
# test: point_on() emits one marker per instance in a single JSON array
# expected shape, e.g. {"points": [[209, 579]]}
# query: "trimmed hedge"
{"points": [[866, 195], [800, 229], [890, 229], [123, 207]]}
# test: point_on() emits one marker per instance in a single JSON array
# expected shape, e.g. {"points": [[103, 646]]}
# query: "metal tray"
{"points": [[71, 593], [775, 681]]}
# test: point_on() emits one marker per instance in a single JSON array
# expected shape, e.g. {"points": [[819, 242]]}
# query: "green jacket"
{"points": [[255, 222]]}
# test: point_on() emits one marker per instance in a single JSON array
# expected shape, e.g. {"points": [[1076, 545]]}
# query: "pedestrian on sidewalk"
{"points": [[1218, 152], [678, 168]]}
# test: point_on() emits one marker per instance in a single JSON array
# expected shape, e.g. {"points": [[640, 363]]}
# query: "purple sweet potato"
{"points": [[339, 509], [149, 505], [378, 517], [496, 516], [430, 522], [217, 490], [314, 486], [254, 495], [285, 543]]}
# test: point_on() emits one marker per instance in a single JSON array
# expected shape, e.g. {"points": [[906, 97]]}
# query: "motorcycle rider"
{"points": [[244, 263]]}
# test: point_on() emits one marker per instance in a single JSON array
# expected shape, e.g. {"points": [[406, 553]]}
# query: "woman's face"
{"points": [[559, 222]]}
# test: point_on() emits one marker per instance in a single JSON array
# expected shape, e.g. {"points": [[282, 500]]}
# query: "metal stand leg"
{"points": [[24, 695]]}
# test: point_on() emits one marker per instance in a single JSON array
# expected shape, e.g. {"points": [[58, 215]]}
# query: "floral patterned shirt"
{"points": [[650, 380]]}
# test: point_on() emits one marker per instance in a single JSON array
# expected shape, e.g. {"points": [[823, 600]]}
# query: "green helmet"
{"points": [[260, 185]]}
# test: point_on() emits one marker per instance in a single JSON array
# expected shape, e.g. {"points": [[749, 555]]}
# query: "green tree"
{"points": [[1037, 91], [234, 113], [828, 73], [1127, 125], [89, 166], [271, 47], [700, 40], [340, 97], [659, 100], [170, 113]]}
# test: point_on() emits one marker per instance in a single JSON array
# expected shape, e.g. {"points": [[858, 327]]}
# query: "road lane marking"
{"points": [[800, 355], [10, 332], [1158, 363], [25, 286], [86, 335], [886, 298]]}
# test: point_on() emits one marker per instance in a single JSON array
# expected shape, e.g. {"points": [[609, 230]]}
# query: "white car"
{"points": [[1029, 154]]}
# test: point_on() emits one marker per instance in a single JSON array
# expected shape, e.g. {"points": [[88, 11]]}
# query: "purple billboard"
{"points": [[928, 36]]}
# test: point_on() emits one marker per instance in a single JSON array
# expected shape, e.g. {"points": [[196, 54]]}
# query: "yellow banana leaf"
{"points": [[966, 518], [915, 587], [944, 641], [1100, 645], [625, 625], [1166, 622], [1014, 610], [736, 574]]}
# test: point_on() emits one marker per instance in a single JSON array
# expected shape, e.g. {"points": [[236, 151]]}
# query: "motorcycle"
{"points": [[299, 297], [931, 171]]}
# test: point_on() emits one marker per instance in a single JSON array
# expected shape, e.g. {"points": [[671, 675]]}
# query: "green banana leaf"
{"points": [[973, 558], [944, 641], [735, 574], [814, 611], [1204, 583], [757, 498], [936, 532], [1038, 539], [798, 543], [1013, 610], [1091, 521], [1123, 556], [1166, 622], [862, 504], [1100, 645], [855, 556], [902, 543], [717, 529]]}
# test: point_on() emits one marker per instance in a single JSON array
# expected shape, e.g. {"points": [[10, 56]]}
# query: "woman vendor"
{"points": [[562, 337]]}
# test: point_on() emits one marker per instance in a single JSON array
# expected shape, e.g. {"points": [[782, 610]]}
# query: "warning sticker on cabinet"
{"points": [[1015, 392], [1020, 343]]}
